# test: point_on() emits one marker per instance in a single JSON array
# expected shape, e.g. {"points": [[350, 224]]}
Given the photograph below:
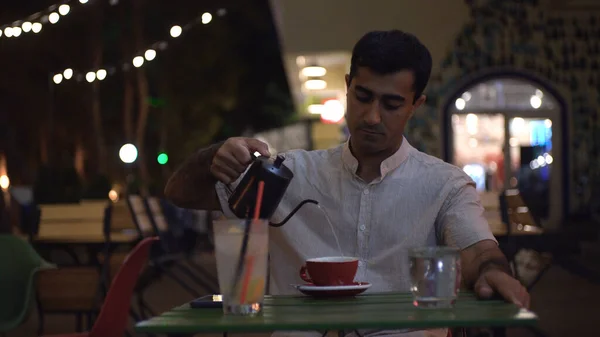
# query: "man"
{"points": [[382, 195]]}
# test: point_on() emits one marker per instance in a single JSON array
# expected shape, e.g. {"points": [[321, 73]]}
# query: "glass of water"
{"points": [[435, 276], [242, 264]]}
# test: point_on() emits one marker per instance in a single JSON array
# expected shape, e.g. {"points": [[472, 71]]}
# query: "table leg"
{"points": [[499, 332]]}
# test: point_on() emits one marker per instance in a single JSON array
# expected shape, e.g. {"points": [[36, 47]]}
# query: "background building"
{"points": [[513, 98]]}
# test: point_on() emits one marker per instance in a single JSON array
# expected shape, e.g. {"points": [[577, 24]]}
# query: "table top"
{"points": [[373, 311], [65, 238]]}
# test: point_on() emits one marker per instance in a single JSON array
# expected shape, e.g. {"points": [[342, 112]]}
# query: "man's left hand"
{"points": [[495, 281]]}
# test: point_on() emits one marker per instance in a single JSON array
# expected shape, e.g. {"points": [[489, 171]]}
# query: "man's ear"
{"points": [[419, 102]]}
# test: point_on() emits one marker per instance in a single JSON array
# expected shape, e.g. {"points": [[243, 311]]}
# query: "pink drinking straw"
{"points": [[250, 259]]}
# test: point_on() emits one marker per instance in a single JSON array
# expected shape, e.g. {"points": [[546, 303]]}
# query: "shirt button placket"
{"points": [[365, 210]]}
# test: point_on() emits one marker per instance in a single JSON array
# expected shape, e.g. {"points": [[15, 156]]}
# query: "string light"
{"points": [[176, 31], [36, 27], [64, 9], [68, 73], [206, 18], [26, 26], [33, 23], [90, 76], [138, 61], [150, 54], [101, 74], [53, 17]]}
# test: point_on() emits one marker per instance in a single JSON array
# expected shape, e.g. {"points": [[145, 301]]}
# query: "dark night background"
{"points": [[214, 81]]}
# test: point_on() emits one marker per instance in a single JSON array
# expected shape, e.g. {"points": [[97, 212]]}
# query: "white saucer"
{"points": [[333, 291]]}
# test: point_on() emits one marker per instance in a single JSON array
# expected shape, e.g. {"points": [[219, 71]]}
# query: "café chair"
{"points": [[114, 314], [19, 267]]}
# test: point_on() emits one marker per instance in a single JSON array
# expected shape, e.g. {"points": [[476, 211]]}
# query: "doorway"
{"points": [[503, 133]]}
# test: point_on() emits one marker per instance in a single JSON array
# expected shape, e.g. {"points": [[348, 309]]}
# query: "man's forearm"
{"points": [[481, 257], [192, 185]]}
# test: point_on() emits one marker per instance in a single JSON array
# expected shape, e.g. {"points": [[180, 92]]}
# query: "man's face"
{"points": [[378, 108]]}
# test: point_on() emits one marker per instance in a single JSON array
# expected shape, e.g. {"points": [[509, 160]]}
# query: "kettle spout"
{"points": [[302, 203]]}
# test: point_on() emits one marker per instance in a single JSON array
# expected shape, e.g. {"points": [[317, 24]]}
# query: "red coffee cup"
{"points": [[329, 271]]}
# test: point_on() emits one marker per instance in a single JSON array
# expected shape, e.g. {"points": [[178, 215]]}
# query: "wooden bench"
{"points": [[72, 222]]}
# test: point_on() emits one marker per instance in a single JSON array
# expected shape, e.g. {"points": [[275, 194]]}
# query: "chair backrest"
{"points": [[72, 219], [131, 214], [18, 266], [157, 214], [514, 210], [114, 314], [140, 214]]}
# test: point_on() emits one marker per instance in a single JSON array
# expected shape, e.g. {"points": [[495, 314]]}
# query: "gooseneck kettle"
{"points": [[276, 177]]}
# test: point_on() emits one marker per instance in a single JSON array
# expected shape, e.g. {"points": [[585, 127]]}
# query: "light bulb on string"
{"points": [[90, 76], [206, 18], [8, 32], [68, 73], [53, 17], [150, 54], [101, 74], [83, 1], [36, 27], [57, 78], [176, 31], [138, 61], [26, 26], [0, 32], [64, 9], [16, 31]]}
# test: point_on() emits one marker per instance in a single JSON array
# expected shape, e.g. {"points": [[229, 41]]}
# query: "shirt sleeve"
{"points": [[461, 222]]}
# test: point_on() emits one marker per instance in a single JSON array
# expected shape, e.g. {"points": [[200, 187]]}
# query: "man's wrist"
{"points": [[498, 264], [205, 157]]}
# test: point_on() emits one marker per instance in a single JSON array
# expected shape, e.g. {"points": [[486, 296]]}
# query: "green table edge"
{"points": [[521, 317]]}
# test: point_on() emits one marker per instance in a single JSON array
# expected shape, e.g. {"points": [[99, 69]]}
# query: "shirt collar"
{"points": [[389, 164]]}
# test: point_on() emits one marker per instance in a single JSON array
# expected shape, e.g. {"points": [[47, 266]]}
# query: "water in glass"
{"points": [[435, 276], [246, 296]]}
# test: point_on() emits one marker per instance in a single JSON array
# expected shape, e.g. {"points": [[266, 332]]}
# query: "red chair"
{"points": [[114, 314]]}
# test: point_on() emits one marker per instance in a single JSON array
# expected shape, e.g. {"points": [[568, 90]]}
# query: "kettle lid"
{"points": [[275, 166]]}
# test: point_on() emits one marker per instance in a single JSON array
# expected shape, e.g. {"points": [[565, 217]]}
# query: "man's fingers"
{"points": [[257, 145], [241, 153], [227, 159], [222, 170], [508, 287], [483, 290]]}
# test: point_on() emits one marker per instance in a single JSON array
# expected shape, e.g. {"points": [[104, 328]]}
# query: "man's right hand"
{"points": [[234, 156]]}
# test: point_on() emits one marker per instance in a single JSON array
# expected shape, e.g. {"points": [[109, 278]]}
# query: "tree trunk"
{"points": [[98, 49], [44, 157], [128, 89], [142, 85], [79, 157], [128, 96]]}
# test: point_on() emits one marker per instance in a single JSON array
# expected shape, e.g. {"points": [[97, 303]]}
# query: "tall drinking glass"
{"points": [[241, 254], [435, 276]]}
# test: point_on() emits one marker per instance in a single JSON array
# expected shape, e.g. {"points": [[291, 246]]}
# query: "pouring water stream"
{"points": [[332, 229]]}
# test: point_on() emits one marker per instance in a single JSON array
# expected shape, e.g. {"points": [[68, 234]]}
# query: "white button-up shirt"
{"points": [[418, 200]]}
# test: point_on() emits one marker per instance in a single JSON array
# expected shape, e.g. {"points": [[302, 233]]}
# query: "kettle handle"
{"points": [[279, 224]]}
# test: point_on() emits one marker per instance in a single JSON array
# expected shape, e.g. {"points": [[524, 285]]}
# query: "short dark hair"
{"points": [[386, 52]]}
